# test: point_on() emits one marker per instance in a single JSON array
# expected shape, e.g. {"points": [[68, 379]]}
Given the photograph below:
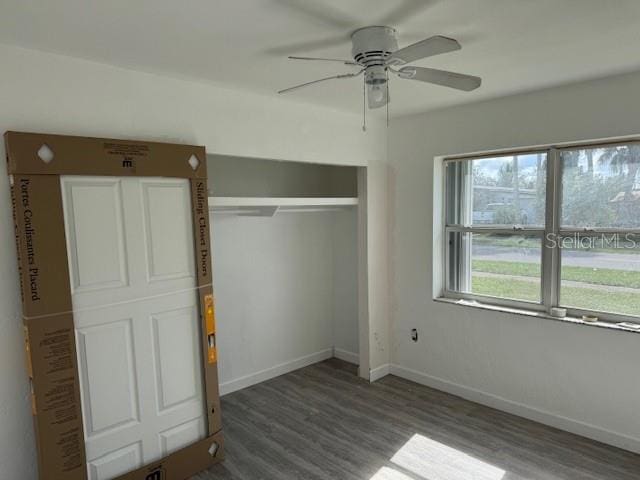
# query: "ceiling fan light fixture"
{"points": [[377, 93], [375, 75]]}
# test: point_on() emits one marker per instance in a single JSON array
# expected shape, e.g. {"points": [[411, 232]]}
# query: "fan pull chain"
{"points": [[387, 87], [364, 105]]}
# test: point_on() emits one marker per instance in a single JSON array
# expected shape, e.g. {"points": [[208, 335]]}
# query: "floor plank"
{"points": [[323, 422]]}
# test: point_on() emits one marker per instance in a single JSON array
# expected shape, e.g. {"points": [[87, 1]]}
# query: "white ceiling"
{"points": [[514, 45]]}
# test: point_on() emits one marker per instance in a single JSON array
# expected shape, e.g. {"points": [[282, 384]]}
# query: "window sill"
{"points": [[620, 327]]}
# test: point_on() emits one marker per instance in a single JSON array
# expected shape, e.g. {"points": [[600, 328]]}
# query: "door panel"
{"points": [[130, 244], [116, 463], [96, 224], [176, 354], [173, 438], [109, 383], [169, 244]]}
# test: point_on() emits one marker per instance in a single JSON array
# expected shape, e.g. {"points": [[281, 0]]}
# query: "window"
{"points": [[554, 227]]}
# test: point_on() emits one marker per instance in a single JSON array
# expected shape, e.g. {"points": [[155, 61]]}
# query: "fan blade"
{"points": [[334, 77], [423, 49], [345, 62], [377, 97], [441, 77], [309, 46], [324, 13], [406, 10]]}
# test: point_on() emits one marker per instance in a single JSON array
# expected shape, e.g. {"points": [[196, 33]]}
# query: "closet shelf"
{"points": [[269, 206]]}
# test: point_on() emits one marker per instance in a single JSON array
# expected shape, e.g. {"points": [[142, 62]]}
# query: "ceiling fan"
{"points": [[375, 52]]}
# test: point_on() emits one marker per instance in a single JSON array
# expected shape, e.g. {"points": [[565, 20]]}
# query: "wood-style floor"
{"points": [[323, 422]]}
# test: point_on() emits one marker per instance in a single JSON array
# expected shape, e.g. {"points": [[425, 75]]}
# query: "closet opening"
{"points": [[285, 247]]}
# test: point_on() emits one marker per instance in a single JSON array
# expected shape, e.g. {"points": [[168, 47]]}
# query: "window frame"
{"points": [[551, 260]]}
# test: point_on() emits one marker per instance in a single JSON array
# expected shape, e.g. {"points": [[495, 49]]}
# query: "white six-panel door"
{"points": [[132, 268]]}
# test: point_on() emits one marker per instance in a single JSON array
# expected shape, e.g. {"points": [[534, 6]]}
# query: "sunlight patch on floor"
{"points": [[386, 473], [432, 460]]}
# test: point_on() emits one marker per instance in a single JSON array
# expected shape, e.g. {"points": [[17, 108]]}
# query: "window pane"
{"points": [[601, 273], [503, 266], [508, 190], [455, 190], [601, 187]]}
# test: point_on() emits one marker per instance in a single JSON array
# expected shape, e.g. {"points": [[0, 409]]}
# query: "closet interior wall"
{"points": [[286, 284]]}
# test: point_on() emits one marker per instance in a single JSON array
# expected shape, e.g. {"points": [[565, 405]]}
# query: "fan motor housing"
{"points": [[372, 45]]}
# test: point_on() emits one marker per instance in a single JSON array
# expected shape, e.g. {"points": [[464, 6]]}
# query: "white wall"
{"points": [[345, 285], [577, 377], [55, 94], [286, 290], [273, 283], [377, 218]]}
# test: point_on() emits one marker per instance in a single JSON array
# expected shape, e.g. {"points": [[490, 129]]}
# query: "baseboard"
{"points": [[379, 372], [563, 423], [275, 371], [346, 356]]}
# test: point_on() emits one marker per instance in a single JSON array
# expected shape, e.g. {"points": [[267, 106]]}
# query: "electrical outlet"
{"points": [[414, 335]]}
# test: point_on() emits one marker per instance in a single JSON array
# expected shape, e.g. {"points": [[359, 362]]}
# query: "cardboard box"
{"points": [[50, 341]]}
